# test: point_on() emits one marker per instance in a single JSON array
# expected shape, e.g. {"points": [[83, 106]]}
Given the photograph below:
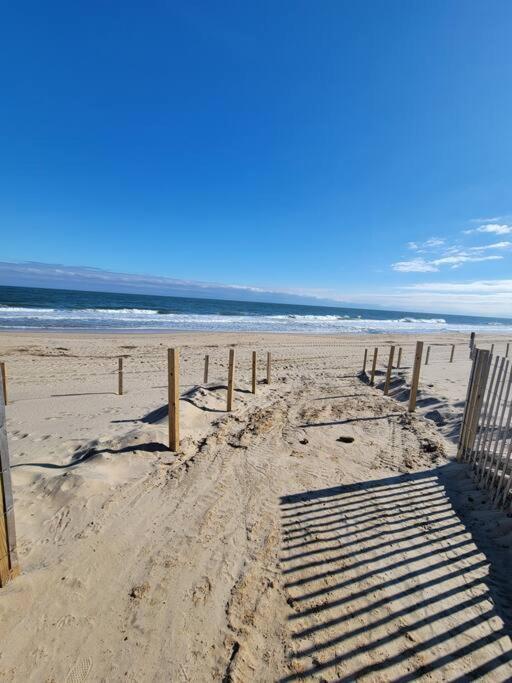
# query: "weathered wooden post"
{"points": [[492, 349], [399, 360], [390, 368], [120, 376], [507, 349], [452, 353], [374, 365], [4, 381], [472, 345], [269, 367], [364, 361], [9, 567], [206, 364], [415, 376], [484, 361], [231, 380], [428, 355], [254, 372], [470, 393], [173, 389]]}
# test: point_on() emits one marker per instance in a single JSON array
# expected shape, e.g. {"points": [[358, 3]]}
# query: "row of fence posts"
{"points": [[173, 372], [389, 370], [473, 347], [9, 566]]}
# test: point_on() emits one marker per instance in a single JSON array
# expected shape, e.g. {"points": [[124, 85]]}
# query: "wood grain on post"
{"points": [[452, 353], [269, 367], [472, 345], [390, 368], [364, 361], [374, 365], [231, 380], [481, 384], [254, 372], [415, 376], [476, 362], [3, 372], [399, 360], [428, 355], [120, 376], [9, 567], [173, 384], [206, 364]]}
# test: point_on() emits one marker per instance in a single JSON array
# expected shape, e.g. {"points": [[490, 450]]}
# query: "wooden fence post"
{"points": [[415, 377], [120, 376], [9, 567], [269, 367], [471, 391], [507, 350], [374, 365], [231, 378], [472, 345], [428, 355], [390, 368], [492, 349], [364, 361], [254, 372], [474, 402], [206, 364], [399, 360], [452, 353], [479, 406], [4, 381], [173, 389]]}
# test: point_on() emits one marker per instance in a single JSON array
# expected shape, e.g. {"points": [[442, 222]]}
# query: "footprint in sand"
{"points": [[80, 671]]}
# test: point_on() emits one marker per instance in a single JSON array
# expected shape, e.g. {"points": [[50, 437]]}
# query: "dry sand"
{"points": [[268, 548]]}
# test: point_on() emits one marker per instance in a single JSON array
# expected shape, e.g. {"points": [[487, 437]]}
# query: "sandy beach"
{"points": [[318, 531]]}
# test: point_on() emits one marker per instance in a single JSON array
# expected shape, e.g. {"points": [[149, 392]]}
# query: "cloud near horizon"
{"points": [[485, 297]]}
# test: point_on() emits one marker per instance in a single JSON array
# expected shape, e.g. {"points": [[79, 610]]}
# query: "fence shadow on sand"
{"points": [[399, 577]]}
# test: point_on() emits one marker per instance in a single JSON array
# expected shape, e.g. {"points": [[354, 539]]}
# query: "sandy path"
{"points": [[268, 550]]}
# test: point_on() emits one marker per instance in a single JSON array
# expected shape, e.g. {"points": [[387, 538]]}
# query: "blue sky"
{"points": [[357, 151]]}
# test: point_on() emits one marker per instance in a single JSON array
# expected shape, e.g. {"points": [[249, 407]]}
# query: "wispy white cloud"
{"points": [[482, 297], [492, 228], [96, 279], [415, 265], [492, 219], [495, 245], [431, 243], [454, 259], [457, 260], [482, 286], [436, 253]]}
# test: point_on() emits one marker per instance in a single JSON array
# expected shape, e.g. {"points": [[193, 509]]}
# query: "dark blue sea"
{"points": [[34, 308]]}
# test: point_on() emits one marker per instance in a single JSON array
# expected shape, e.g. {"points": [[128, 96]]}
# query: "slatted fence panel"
{"points": [[486, 434]]}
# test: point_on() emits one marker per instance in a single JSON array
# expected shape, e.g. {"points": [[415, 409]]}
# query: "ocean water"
{"points": [[34, 308]]}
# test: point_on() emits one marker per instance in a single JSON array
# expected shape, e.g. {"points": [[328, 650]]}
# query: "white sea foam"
{"points": [[136, 318]]}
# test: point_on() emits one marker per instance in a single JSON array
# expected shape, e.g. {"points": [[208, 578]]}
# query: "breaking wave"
{"points": [[16, 317]]}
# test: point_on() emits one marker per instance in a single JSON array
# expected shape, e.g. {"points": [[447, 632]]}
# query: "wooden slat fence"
{"points": [[486, 433]]}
